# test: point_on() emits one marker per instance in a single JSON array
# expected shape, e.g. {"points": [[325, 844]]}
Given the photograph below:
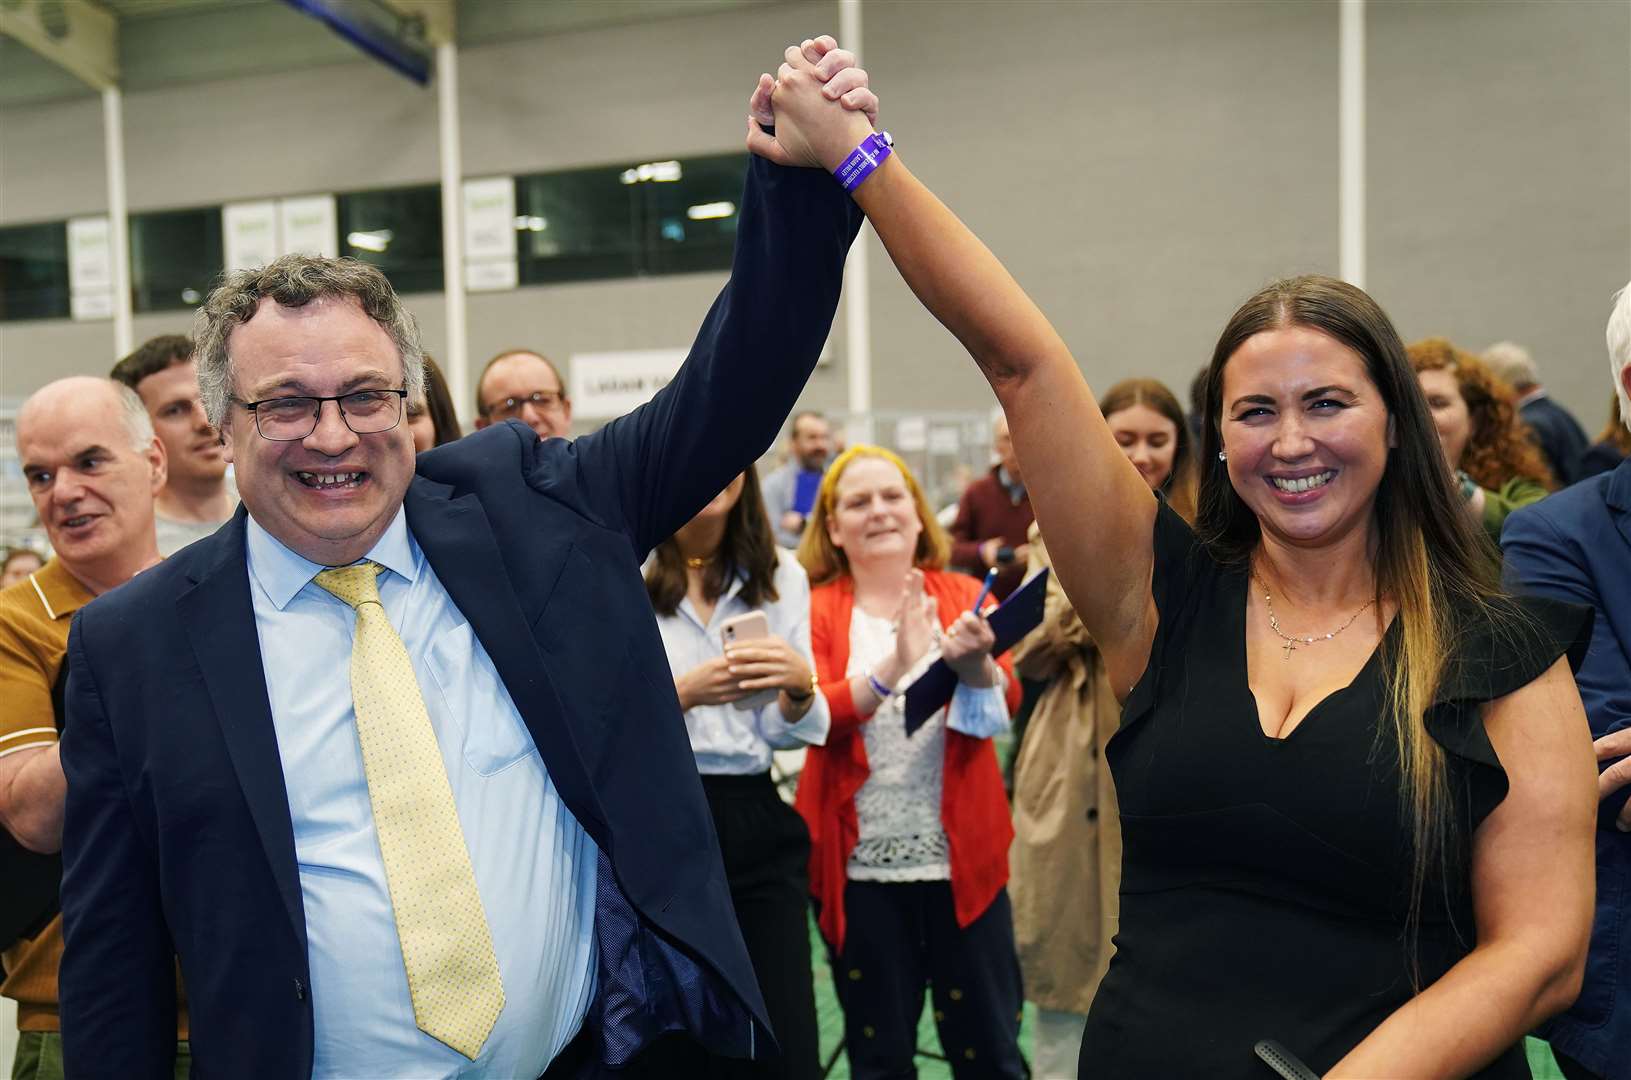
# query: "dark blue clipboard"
{"points": [[1013, 619]]}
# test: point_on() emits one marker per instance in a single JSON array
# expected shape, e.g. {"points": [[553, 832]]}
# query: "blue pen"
{"points": [[985, 590]]}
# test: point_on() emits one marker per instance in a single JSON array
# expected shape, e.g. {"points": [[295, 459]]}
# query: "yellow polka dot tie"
{"points": [[446, 945]]}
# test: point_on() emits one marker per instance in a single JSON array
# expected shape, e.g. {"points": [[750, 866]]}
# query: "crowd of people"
{"points": [[336, 742]]}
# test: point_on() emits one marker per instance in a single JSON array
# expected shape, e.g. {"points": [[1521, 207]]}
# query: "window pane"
{"points": [[34, 271], [690, 222], [175, 257], [399, 231], [576, 226]]}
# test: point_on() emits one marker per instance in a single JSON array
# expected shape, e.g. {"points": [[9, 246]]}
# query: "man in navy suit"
{"points": [[1561, 438], [1576, 545], [226, 804]]}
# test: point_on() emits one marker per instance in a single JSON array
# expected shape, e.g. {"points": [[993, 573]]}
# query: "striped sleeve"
{"points": [[28, 668]]}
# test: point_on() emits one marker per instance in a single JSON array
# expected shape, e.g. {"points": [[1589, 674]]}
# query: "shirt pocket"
{"points": [[494, 737]]}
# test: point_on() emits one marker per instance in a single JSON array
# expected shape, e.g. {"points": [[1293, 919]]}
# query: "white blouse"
{"points": [[725, 739], [898, 807]]}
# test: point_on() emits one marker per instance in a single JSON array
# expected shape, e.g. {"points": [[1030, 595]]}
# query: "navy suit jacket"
{"points": [[1560, 436], [177, 839], [1576, 545]]}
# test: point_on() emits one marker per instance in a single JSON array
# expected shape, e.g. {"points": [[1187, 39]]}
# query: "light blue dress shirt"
{"points": [[739, 741], [534, 864]]}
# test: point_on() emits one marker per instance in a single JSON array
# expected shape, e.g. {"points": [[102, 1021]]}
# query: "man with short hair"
{"points": [[994, 516], [198, 497], [518, 384], [1576, 545], [92, 467], [1559, 434], [393, 760], [790, 491]]}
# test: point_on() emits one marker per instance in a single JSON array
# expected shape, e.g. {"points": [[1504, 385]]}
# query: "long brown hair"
{"points": [[1500, 446], [1179, 486], [444, 420], [1617, 434], [747, 549], [824, 561], [1431, 559]]}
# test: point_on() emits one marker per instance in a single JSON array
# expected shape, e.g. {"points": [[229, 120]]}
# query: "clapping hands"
{"points": [[819, 106]]}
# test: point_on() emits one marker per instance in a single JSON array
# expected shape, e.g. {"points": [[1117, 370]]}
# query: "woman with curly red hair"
{"points": [[1487, 446]]}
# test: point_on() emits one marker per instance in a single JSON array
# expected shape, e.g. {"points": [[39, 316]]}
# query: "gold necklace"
{"points": [[1292, 641], [693, 562]]}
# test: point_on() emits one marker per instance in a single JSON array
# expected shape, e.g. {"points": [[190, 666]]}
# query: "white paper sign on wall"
{"points": [[309, 226], [249, 234], [911, 434], [490, 226], [609, 384], [90, 268]]}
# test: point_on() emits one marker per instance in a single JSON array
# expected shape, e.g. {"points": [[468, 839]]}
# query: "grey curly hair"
{"points": [[295, 281]]}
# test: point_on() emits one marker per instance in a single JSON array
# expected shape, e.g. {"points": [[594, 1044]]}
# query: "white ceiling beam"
{"points": [[78, 35], [439, 17]]}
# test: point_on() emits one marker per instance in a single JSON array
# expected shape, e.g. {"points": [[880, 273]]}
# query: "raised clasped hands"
{"points": [[819, 106]]}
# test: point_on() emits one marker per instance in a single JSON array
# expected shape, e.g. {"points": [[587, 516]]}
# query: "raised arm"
{"points": [[1098, 515], [649, 472]]}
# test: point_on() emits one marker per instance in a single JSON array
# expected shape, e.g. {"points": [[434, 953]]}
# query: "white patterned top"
{"points": [[898, 807]]}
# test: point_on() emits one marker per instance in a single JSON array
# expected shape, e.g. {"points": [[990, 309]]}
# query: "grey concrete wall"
{"points": [[1140, 167], [1500, 179]]}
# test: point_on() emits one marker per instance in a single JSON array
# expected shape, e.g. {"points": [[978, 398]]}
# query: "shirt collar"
{"points": [[1016, 490], [282, 573], [59, 592], [1533, 395]]}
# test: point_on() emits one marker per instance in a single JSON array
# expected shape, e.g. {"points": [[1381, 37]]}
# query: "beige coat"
{"points": [[1066, 856]]}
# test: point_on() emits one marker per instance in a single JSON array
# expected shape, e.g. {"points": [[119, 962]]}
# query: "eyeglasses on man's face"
{"points": [[509, 408], [290, 419]]}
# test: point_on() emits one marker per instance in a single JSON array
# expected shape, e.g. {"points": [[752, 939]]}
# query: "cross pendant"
{"points": [[1290, 648]]}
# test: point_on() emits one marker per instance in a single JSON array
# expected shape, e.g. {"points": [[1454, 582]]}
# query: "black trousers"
{"points": [[903, 936], [767, 857]]}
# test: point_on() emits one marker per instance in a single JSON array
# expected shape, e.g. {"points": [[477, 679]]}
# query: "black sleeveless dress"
{"points": [[1265, 882]]}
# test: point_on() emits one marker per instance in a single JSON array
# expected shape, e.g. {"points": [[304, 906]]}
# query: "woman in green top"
{"points": [[1489, 448]]}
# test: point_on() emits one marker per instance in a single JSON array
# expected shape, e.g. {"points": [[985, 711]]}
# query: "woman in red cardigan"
{"points": [[909, 833]]}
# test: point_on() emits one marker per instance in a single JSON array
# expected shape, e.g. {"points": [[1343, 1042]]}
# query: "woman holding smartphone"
{"points": [[734, 612]]}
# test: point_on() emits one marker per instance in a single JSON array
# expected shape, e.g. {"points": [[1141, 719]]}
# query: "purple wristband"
{"points": [[864, 159]]}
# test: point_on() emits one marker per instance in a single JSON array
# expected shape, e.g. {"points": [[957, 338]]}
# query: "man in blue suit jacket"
{"points": [[218, 809], [1576, 545]]}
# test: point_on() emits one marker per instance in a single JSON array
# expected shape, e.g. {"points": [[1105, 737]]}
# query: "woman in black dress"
{"points": [[1356, 783]]}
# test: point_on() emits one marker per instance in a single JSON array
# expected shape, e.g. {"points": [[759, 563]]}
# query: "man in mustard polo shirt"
{"points": [[92, 466]]}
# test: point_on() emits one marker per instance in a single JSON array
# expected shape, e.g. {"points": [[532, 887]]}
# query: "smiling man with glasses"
{"points": [[521, 385], [392, 761]]}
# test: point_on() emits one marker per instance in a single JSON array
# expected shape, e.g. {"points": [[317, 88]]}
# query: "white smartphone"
{"points": [[739, 631]]}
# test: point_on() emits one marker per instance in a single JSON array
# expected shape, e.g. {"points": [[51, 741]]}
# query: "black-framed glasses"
{"points": [[290, 419], [510, 407]]}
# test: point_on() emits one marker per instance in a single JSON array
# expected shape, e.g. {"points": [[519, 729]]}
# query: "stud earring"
{"points": [[1223, 455]]}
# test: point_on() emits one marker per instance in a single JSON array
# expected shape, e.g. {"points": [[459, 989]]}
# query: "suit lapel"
{"points": [[219, 618], [458, 540], [1619, 498]]}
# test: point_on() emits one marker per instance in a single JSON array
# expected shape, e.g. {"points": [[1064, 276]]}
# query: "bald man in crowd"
{"points": [[93, 467], [521, 385]]}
